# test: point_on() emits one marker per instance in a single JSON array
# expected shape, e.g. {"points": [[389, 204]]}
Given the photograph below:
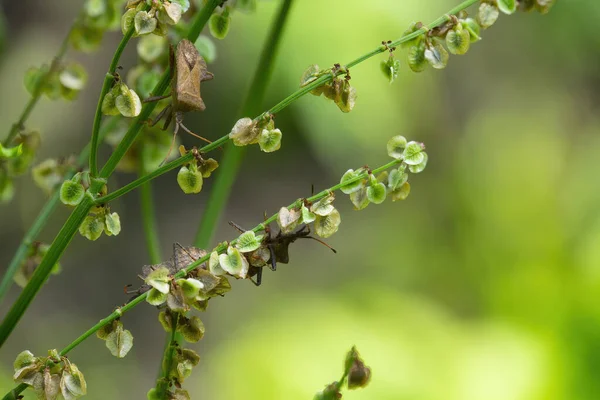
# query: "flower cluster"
{"points": [[50, 376], [156, 20], [96, 18], [15, 161], [260, 130], [191, 176], [35, 254], [338, 90], [51, 172]]}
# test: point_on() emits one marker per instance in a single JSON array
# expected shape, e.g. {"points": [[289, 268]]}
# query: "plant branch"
{"points": [[162, 384], [149, 215], [80, 212], [234, 155], [18, 126], [220, 249], [40, 221]]}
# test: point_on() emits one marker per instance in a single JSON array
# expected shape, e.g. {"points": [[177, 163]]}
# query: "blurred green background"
{"points": [[482, 285]]}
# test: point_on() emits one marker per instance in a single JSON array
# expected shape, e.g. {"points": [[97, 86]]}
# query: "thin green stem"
{"points": [[149, 216], [230, 164], [70, 227], [162, 384], [40, 221], [120, 311], [18, 126]]}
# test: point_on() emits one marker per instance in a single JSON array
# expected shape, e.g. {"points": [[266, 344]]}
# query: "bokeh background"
{"points": [[483, 284]]}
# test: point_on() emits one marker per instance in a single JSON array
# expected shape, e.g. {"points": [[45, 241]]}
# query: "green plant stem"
{"points": [[220, 249], [230, 164], [40, 221], [149, 216], [17, 126], [80, 212], [162, 384], [108, 81]]}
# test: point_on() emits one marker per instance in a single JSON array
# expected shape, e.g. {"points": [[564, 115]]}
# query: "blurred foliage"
{"points": [[483, 284]]}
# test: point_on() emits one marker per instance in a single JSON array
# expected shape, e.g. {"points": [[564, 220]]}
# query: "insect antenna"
{"points": [[320, 241], [192, 133], [237, 227]]}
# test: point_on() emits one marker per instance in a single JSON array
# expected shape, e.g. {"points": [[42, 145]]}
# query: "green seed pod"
{"points": [[185, 4], [219, 23], [347, 98], [151, 48], [170, 13], [248, 242], [33, 77], [376, 193], [396, 146], [458, 40], [71, 192], [351, 187], [119, 341], [359, 199], [310, 74], [288, 220], [234, 263], [72, 382], [192, 329], [390, 68], [436, 55], [127, 20], [159, 279], [244, 132], [207, 167], [270, 140], [487, 15], [109, 105], [397, 178], [190, 287], [190, 179], [415, 26], [128, 102], [416, 57], [402, 192], [214, 265], [73, 77], [507, 6], [324, 206], [413, 153], [473, 28], [144, 23], [112, 224], [92, 227], [85, 38], [328, 225], [415, 169], [307, 215], [155, 297]]}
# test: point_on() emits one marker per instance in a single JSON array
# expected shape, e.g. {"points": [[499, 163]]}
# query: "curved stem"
{"points": [[118, 313], [108, 80], [40, 221], [17, 126], [230, 164]]}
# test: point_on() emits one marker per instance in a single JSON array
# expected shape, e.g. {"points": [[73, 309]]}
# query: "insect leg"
{"points": [[273, 259], [193, 134], [172, 144], [159, 116], [156, 98]]}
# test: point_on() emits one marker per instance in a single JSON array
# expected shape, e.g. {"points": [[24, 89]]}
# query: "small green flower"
{"points": [[190, 179], [270, 140], [72, 192]]}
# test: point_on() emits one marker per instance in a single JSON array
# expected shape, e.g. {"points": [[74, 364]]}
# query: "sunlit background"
{"points": [[483, 285]]}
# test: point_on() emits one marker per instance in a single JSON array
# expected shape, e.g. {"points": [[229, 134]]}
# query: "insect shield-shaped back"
{"points": [[190, 70]]}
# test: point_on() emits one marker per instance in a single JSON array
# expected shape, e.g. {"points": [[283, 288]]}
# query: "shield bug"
{"points": [[188, 70]]}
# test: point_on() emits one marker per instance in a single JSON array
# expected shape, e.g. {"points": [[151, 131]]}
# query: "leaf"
{"points": [[402, 192], [206, 48], [413, 153], [288, 220], [219, 23], [144, 23], [248, 241], [324, 206], [244, 132], [307, 216], [112, 224], [458, 40], [119, 341], [190, 179], [159, 279], [325, 226], [192, 329], [359, 199], [270, 140], [376, 193], [234, 263], [437, 56], [92, 227], [507, 6], [487, 15], [354, 186], [415, 169]]}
